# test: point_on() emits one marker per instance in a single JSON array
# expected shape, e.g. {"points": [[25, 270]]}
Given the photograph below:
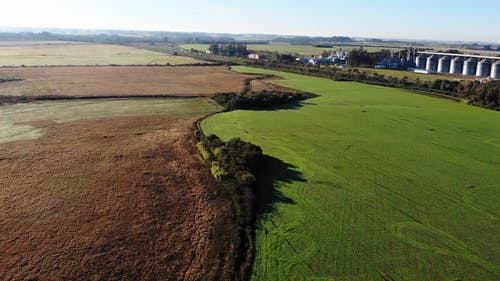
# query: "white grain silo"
{"points": [[470, 66], [483, 68], [444, 65], [457, 65], [420, 61], [432, 63], [495, 70]]}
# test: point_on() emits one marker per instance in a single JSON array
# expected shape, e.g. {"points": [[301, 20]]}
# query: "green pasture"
{"points": [[304, 50], [13, 118], [413, 75], [373, 183], [51, 54]]}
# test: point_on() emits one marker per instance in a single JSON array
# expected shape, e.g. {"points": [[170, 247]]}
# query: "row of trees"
{"points": [[255, 100], [230, 49], [485, 94], [234, 164], [361, 57], [9, 79]]}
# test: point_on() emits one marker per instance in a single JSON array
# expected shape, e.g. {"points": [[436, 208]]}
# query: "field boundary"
{"points": [[115, 65], [436, 95], [9, 100]]}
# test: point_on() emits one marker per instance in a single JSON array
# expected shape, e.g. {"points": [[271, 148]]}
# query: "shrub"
{"points": [[246, 178], [234, 159], [204, 152], [218, 171]]}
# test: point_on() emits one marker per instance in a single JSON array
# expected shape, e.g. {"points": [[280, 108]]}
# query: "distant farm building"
{"points": [[336, 57], [258, 56], [320, 61], [303, 60], [398, 60]]}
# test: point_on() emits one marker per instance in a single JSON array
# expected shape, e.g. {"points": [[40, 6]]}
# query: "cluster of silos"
{"points": [[459, 65]]}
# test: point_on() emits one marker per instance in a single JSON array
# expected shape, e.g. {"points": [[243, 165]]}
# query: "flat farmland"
{"points": [[120, 81], [374, 183], [20, 53], [109, 190], [412, 76], [304, 50]]}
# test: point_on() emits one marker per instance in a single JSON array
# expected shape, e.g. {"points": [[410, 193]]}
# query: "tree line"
{"points": [[257, 100], [485, 94], [361, 57], [234, 164], [9, 79], [230, 49]]}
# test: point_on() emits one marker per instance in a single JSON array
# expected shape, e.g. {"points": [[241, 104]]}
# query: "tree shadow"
{"points": [[270, 174], [294, 105]]}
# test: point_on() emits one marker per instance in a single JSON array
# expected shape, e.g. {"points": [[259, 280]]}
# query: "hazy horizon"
{"points": [[387, 19]]}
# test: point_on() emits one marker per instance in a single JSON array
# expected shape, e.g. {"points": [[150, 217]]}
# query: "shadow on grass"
{"points": [[295, 105], [273, 172]]}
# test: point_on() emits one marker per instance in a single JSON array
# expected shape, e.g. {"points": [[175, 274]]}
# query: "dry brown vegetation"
{"points": [[123, 198], [121, 81]]}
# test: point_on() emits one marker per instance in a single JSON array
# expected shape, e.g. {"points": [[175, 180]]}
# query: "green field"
{"points": [[49, 54], [68, 111], [413, 75], [381, 184], [304, 50]]}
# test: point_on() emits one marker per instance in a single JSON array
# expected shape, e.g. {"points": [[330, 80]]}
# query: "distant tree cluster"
{"points": [[482, 94], [9, 79], [112, 36], [452, 51], [306, 40], [361, 57], [285, 58], [230, 49]]}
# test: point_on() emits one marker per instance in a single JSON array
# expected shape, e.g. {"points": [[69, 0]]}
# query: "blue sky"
{"points": [[459, 20]]}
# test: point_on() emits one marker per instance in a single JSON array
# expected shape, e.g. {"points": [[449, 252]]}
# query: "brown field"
{"points": [[120, 81], [123, 198]]}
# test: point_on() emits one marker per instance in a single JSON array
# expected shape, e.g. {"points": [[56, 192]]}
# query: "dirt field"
{"points": [[123, 198], [121, 81]]}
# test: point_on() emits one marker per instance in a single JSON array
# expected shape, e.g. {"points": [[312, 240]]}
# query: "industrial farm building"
{"points": [[460, 64]]}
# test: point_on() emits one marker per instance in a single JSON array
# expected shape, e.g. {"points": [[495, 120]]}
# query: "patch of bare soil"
{"points": [[98, 81], [113, 199]]}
